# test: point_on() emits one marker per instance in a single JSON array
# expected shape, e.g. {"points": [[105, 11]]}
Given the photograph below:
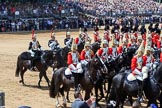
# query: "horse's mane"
{"points": [[158, 73], [60, 59]]}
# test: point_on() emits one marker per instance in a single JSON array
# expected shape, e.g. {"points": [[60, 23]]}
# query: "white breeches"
{"points": [[32, 53], [141, 75], [77, 69], [84, 62]]}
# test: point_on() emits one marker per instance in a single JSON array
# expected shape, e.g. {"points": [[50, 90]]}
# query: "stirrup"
{"points": [[140, 99]]}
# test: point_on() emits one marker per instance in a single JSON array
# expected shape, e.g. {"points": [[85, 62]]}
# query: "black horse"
{"points": [[80, 47], [119, 64], [123, 88], [95, 46], [87, 80], [42, 62]]}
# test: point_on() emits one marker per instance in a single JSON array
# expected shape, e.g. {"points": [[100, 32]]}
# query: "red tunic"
{"points": [[77, 40], [83, 53], [144, 36], [145, 58], [134, 63], [96, 37], [69, 58], [120, 49], [106, 36], [155, 38], [159, 44], [100, 51], [161, 57]]}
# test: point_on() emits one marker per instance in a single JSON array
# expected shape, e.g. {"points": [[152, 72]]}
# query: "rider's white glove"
{"points": [[32, 53]]}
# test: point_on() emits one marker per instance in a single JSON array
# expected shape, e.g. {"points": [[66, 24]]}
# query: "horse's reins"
{"points": [[91, 79]]}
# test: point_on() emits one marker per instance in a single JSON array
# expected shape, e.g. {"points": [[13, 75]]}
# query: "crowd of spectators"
{"points": [[105, 7], [70, 13]]}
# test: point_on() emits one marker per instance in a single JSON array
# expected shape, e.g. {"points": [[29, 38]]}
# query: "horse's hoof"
{"points": [[136, 104], [64, 105], [20, 81], [58, 105]]}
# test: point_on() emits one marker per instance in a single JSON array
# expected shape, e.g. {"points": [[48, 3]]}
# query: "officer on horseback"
{"points": [[87, 54], [53, 43], [79, 39], [123, 48], [97, 38], [104, 52], [68, 40], [34, 49], [74, 65], [86, 36], [137, 64]]}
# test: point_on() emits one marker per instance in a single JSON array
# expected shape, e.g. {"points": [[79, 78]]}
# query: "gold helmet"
{"points": [[105, 42], [74, 47], [68, 33], [87, 44], [139, 37]]}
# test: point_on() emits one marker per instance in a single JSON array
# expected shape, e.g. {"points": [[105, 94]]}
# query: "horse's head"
{"points": [[95, 46], [156, 53], [111, 66], [158, 74], [49, 58], [97, 62], [64, 52]]}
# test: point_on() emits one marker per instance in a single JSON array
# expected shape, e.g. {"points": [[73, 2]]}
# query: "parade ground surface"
{"points": [[11, 45]]}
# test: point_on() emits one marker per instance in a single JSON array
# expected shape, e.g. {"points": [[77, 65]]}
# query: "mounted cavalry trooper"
{"points": [[106, 34], [53, 43], [68, 40], [86, 36], [105, 52], [138, 69], [117, 36], [97, 38], [87, 54], [34, 49], [79, 39], [74, 65], [123, 48]]}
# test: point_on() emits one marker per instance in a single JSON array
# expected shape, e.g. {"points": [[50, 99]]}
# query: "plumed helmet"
{"points": [[116, 31], [160, 35], [74, 47], [53, 35], [149, 36], [139, 37], [133, 37], [68, 33], [34, 36], [105, 42], [124, 40], [87, 44]]}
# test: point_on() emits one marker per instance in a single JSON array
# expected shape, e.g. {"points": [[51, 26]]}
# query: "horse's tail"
{"points": [[52, 87], [17, 67]]}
